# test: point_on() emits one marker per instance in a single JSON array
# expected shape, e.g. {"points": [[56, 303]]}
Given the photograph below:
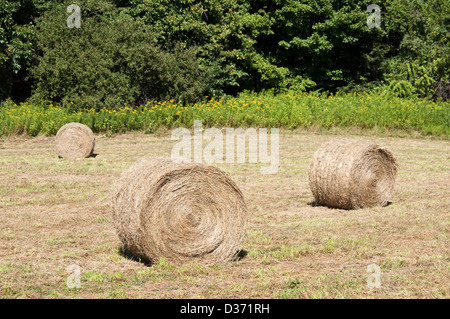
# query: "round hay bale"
{"points": [[75, 140], [179, 212], [352, 174]]}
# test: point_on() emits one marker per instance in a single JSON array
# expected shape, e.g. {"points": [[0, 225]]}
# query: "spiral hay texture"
{"points": [[352, 174], [179, 212], [75, 140]]}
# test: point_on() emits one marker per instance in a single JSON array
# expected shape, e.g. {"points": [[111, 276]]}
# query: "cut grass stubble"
{"points": [[292, 250]]}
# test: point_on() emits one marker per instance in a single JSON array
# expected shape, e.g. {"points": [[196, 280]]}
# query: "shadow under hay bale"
{"points": [[75, 140], [180, 212], [129, 255], [352, 174]]}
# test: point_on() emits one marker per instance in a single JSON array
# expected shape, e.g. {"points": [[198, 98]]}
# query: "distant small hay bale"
{"points": [[75, 140], [352, 174], [178, 212]]}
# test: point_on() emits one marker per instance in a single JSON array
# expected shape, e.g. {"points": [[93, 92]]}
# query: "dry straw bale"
{"points": [[352, 174], [179, 212], [75, 140]]}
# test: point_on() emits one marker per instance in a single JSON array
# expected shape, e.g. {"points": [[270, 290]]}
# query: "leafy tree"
{"points": [[16, 47], [262, 44], [417, 41], [130, 51], [112, 60]]}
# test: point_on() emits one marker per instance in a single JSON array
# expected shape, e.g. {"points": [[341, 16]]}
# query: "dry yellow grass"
{"points": [[55, 213]]}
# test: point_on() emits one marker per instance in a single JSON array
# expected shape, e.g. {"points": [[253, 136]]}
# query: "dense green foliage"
{"points": [[112, 60], [267, 44], [131, 51], [16, 46], [416, 38]]}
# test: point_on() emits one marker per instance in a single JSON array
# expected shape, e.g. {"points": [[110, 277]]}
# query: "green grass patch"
{"points": [[288, 111]]}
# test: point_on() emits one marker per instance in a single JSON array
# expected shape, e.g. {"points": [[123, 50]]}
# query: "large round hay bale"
{"points": [[179, 212], [352, 174], [75, 140]]}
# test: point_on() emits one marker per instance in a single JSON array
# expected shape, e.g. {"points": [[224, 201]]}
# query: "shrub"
{"points": [[112, 60]]}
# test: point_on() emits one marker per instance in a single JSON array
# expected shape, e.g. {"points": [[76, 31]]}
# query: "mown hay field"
{"points": [[56, 213]]}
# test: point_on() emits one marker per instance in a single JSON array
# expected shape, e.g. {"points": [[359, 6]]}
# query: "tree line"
{"points": [[129, 52]]}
